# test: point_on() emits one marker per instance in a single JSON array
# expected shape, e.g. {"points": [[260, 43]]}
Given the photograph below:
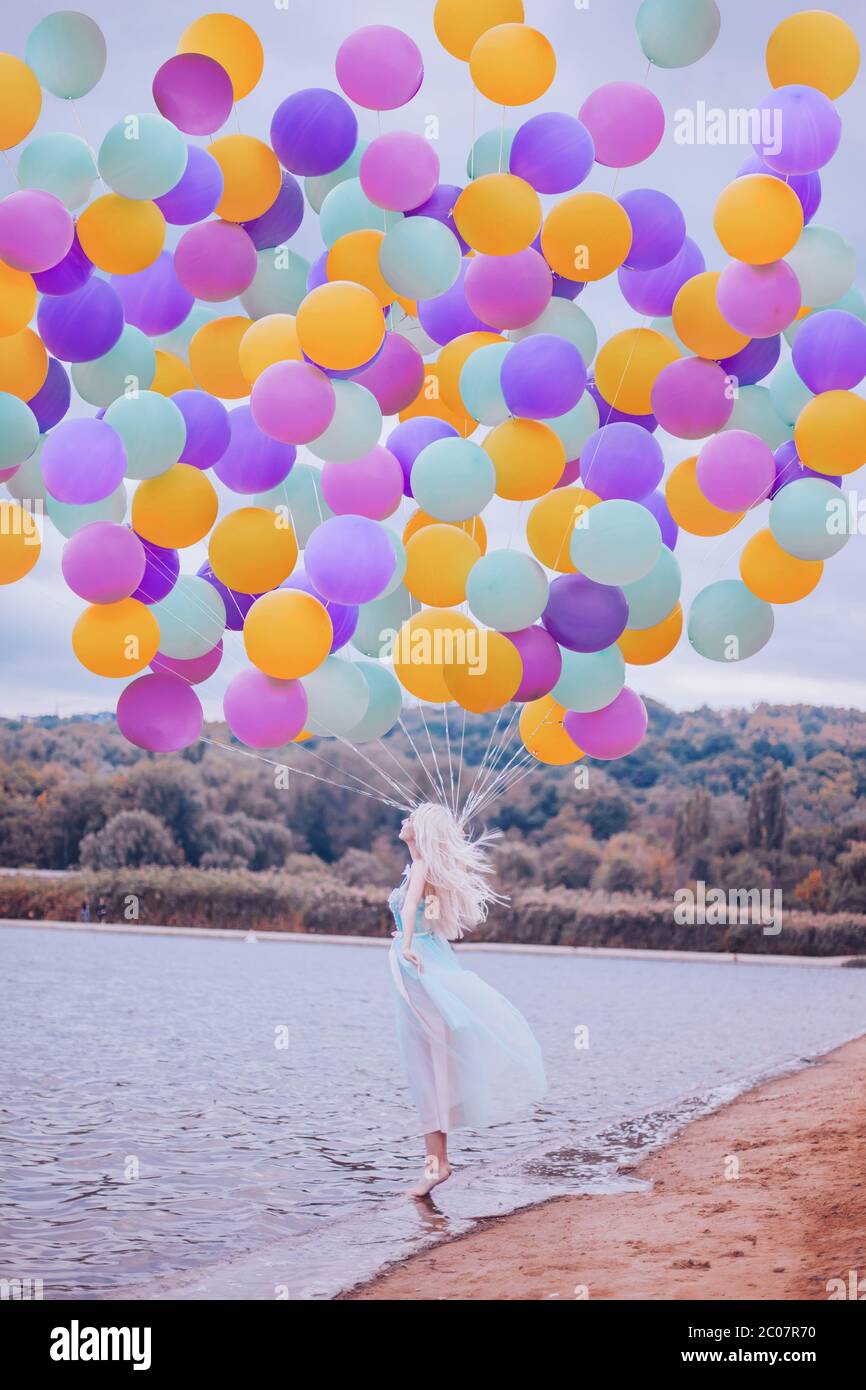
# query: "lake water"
{"points": [[207, 1118]]}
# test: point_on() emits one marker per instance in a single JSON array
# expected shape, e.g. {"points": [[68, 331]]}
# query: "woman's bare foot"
{"points": [[434, 1174]]}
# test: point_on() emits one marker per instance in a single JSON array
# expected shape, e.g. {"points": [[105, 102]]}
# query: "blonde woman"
{"points": [[470, 1058]]}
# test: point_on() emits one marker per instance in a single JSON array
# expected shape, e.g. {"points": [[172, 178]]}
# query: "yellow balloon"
{"points": [[423, 646], [17, 299], [214, 357], [340, 325], [551, 523], [232, 43], [20, 542], [253, 549], [774, 575], [543, 734], [355, 257], [271, 339], [23, 364], [116, 639], [438, 560], [813, 49], [175, 509], [459, 25], [586, 236], [486, 679], [627, 367], [171, 375], [498, 214], [473, 527], [287, 634], [644, 646], [698, 319], [758, 219], [528, 456], [451, 361], [121, 235], [689, 507], [251, 176], [20, 101], [830, 433], [512, 64]]}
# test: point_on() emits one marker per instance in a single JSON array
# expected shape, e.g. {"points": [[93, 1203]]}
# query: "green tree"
{"points": [[128, 840]]}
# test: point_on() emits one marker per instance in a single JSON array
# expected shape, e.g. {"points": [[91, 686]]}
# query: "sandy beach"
{"points": [[763, 1199]]}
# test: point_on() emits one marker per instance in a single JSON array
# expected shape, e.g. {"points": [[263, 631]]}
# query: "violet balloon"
{"points": [[583, 615], [207, 427], [85, 324], [440, 205], [553, 152], [293, 402], [612, 732], [350, 559], [103, 562], [753, 362], [197, 192], [542, 377], [215, 261], [621, 460], [153, 299], [626, 122], [658, 228], [448, 316], [344, 616], [407, 440], [508, 291], [51, 401], [760, 300], [313, 131], [161, 570], [160, 712], [282, 219], [194, 92], [658, 505], [691, 398], [789, 469], [379, 67], [609, 415], [252, 461], [652, 292], [369, 486], [802, 130], [237, 605], [829, 351], [193, 669], [82, 461], [395, 376], [542, 662], [69, 274]]}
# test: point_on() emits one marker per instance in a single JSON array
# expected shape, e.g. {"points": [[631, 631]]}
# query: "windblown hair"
{"points": [[457, 869]]}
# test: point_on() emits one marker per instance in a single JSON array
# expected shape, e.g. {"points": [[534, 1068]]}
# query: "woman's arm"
{"points": [[409, 910]]}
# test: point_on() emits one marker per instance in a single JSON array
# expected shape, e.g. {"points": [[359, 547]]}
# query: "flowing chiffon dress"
{"points": [[470, 1057]]}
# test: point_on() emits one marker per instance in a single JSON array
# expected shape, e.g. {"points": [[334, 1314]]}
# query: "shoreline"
{"points": [[763, 1198]]}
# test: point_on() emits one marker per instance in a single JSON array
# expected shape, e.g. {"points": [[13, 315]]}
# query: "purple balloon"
{"points": [[237, 605], [69, 274], [542, 662], [570, 473], [753, 362], [626, 122], [194, 92], [82, 461], [252, 462], [193, 669], [658, 505], [161, 569], [160, 712], [583, 615], [804, 130], [440, 205], [509, 291], [344, 616], [350, 559], [153, 299], [85, 324], [806, 186], [263, 712], [318, 273], [379, 67], [612, 732], [207, 427], [395, 376], [830, 351], [542, 377], [553, 152], [658, 228], [691, 398], [196, 193], [789, 469], [408, 439], [652, 292], [215, 261], [36, 230], [51, 401], [103, 562], [313, 131], [282, 219], [609, 415], [448, 315], [621, 460]]}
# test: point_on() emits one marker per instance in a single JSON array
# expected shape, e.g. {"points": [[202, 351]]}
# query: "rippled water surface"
{"points": [[207, 1118]]}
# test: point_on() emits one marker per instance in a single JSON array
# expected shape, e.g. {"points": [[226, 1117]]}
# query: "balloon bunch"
{"points": [[453, 307]]}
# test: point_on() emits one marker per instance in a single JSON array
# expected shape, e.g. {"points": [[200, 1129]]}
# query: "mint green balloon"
{"points": [[400, 561], [68, 519], [851, 302], [279, 284], [506, 590], [60, 164], [788, 393], [825, 265], [192, 618], [564, 319], [575, 427], [354, 428], [666, 326], [491, 153], [728, 623], [338, 697], [652, 598], [129, 366], [179, 339], [299, 496], [26, 483], [67, 53], [318, 186], [153, 431], [809, 519], [754, 411], [142, 156], [348, 209], [480, 386], [19, 431], [453, 479], [677, 33], [616, 542], [385, 703], [420, 257], [590, 680], [379, 621]]}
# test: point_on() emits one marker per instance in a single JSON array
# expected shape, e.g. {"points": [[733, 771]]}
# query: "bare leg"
{"points": [[436, 1166]]}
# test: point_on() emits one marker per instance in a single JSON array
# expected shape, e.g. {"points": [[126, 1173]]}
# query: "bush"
{"points": [[129, 839]]}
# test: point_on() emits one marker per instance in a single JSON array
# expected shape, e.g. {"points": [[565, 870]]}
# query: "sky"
{"points": [[816, 654]]}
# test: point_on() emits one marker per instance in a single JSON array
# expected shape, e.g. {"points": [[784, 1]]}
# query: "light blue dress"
{"points": [[470, 1057]]}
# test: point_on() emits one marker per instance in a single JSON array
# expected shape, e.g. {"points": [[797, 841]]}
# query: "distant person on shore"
{"points": [[101, 911], [84, 914], [471, 1059]]}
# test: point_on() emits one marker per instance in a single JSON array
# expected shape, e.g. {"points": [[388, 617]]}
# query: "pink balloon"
{"points": [[194, 92], [542, 662], [263, 712], [160, 712], [508, 291], [395, 376], [36, 230], [692, 398], [215, 261], [570, 473], [103, 562], [736, 470], [293, 402], [612, 732], [760, 300], [193, 669], [626, 122], [399, 171], [371, 486], [379, 67]]}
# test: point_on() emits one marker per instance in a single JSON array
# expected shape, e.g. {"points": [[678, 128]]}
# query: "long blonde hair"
{"points": [[457, 870]]}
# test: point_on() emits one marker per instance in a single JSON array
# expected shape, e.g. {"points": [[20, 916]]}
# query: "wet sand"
{"points": [[763, 1199]]}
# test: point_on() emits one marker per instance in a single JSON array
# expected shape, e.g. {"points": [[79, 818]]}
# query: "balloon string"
{"points": [[415, 750], [301, 772], [404, 770], [433, 753]]}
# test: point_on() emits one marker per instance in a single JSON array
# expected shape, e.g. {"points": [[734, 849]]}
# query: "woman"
{"points": [[470, 1057]]}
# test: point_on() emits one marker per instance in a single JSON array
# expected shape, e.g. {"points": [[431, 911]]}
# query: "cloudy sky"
{"points": [[817, 651]]}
